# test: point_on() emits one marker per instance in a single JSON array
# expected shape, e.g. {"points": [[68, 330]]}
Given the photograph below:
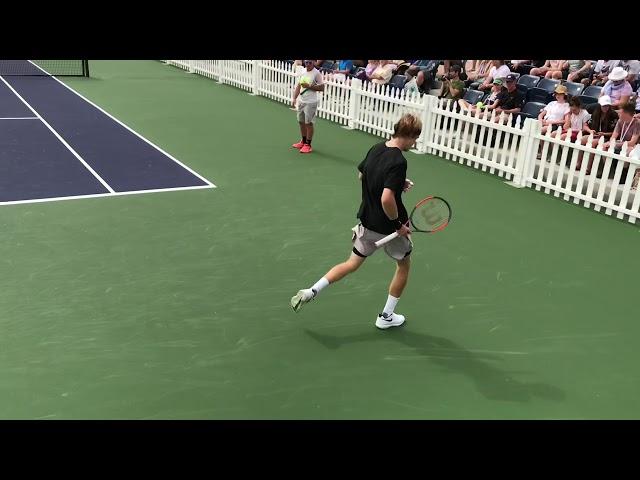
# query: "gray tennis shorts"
{"points": [[307, 112], [364, 240]]}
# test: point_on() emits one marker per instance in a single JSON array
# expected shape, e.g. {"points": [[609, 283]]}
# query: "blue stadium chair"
{"points": [[523, 89], [473, 96], [526, 68], [532, 109], [573, 88], [543, 92], [529, 81], [592, 91], [328, 66], [587, 100], [398, 81]]}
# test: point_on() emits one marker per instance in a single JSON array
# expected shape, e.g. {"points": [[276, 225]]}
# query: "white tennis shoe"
{"points": [[302, 297], [385, 320]]}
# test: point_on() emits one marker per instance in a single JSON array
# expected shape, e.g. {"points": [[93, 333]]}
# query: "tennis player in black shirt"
{"points": [[383, 176]]}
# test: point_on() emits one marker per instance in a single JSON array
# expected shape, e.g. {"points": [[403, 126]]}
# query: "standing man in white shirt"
{"points": [[307, 87]]}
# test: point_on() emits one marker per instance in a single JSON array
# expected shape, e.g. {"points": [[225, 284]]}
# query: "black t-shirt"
{"points": [[510, 100], [383, 167]]}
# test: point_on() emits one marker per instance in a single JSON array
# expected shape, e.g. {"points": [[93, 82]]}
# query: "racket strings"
{"points": [[432, 215]]}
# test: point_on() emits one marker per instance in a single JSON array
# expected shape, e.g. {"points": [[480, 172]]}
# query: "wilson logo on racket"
{"points": [[430, 215]]}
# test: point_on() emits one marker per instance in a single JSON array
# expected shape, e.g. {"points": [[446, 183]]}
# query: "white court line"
{"points": [[126, 126], [100, 195], [75, 154], [19, 118]]}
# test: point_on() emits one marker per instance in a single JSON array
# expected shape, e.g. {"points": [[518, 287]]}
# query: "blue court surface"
{"points": [[57, 145]]}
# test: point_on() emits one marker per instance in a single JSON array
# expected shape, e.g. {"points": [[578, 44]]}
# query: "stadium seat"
{"points": [[587, 100], [592, 91], [328, 66], [529, 81], [532, 109], [524, 116], [573, 88], [590, 108], [398, 81], [473, 96], [543, 92], [523, 89], [526, 68]]}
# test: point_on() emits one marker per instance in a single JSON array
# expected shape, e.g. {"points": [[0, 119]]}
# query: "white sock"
{"points": [[390, 305], [319, 285]]}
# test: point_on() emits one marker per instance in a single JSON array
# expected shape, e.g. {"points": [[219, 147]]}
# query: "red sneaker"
{"points": [[298, 145], [306, 148]]}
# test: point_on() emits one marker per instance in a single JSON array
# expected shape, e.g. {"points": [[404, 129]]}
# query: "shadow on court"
{"points": [[492, 382]]}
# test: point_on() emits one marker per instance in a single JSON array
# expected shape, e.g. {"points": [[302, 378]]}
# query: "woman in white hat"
{"points": [[618, 88]]}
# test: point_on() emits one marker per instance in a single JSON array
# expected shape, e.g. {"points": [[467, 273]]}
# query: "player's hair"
{"points": [[409, 126]]}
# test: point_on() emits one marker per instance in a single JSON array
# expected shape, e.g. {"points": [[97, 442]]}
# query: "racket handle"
{"points": [[386, 239]]}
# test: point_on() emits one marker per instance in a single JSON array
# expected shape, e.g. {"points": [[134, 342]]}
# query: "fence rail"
{"points": [[508, 147]]}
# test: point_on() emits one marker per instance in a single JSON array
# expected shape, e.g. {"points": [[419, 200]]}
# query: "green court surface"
{"points": [[175, 305]]}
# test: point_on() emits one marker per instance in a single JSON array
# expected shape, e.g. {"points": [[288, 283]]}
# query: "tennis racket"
{"points": [[430, 215]]}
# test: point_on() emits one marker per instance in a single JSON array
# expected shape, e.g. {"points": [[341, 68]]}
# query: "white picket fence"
{"points": [[515, 151]]}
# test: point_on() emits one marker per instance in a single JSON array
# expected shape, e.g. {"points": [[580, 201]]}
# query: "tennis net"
{"points": [[73, 68]]}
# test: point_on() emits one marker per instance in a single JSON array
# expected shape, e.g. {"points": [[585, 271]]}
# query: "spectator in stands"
{"points": [[510, 100], [369, 69], [452, 75], [577, 121], [553, 115], [456, 91], [477, 70], [424, 71], [343, 70], [578, 69], [603, 118], [632, 67], [383, 73], [627, 129], [617, 87], [454, 95], [489, 103], [601, 71], [498, 70], [447, 64], [602, 123], [551, 69]]}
